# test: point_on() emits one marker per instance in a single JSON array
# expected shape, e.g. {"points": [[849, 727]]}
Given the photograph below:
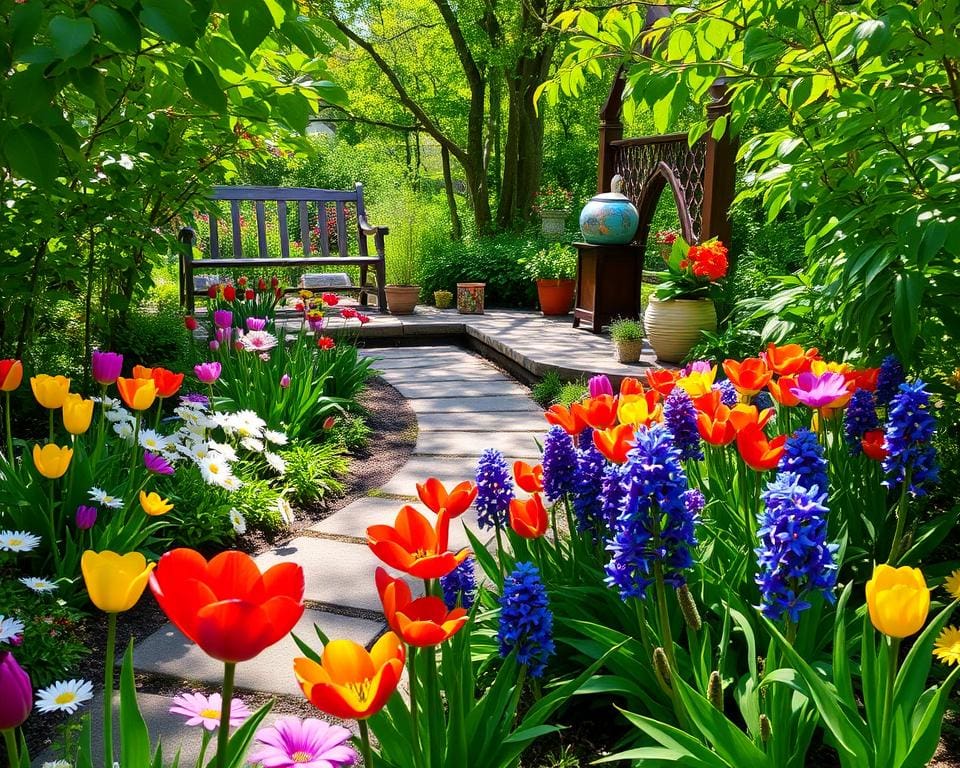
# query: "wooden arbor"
{"points": [[700, 177]]}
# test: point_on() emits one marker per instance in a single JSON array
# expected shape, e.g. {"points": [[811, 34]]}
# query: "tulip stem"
{"points": [[10, 737], [6, 416], [223, 735], [50, 413], [901, 518], [411, 658], [108, 689], [365, 744], [893, 651]]}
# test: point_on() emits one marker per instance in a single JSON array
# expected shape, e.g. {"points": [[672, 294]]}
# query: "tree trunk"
{"points": [[456, 228]]}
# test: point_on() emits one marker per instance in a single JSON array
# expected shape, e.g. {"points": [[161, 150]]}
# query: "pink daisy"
{"points": [[294, 743], [205, 710]]}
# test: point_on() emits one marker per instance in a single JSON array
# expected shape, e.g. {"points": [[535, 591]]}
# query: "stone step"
{"points": [[459, 388], [483, 422], [452, 403], [449, 470], [473, 373], [472, 444]]}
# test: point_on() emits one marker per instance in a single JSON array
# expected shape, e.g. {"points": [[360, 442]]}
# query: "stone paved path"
{"points": [[463, 405]]}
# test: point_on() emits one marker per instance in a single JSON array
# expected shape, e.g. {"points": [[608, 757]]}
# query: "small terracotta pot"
{"points": [[628, 351], [556, 296], [402, 299], [674, 326]]}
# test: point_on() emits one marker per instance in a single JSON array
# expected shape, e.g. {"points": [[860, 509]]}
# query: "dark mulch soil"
{"points": [[393, 428]]}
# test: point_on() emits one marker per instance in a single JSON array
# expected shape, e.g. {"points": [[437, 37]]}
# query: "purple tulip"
{"points": [[223, 318], [256, 323], [600, 385], [817, 391], [316, 324], [208, 373], [698, 366], [156, 464], [285, 381], [106, 366], [223, 335], [214, 345], [86, 517], [17, 699]]}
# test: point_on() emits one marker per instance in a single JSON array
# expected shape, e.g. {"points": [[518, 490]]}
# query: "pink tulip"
{"points": [[207, 373], [17, 699], [285, 381]]}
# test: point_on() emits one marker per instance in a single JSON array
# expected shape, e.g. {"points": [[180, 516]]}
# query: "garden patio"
{"points": [[421, 385]]}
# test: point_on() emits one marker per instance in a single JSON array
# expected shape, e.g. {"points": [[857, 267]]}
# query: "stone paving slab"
{"points": [[452, 375], [479, 387], [167, 652], [452, 362], [337, 572], [473, 405], [491, 423], [472, 444], [449, 470]]}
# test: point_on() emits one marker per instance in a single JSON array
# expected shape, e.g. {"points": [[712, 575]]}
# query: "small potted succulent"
{"points": [[554, 269], [443, 299], [553, 204], [627, 335]]}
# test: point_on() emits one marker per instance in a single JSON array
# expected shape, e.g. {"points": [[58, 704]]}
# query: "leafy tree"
{"points": [[867, 151]]}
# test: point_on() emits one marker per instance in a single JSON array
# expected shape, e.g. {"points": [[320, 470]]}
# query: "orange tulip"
{"points": [[872, 444], [716, 428], [450, 505], [529, 478], [630, 386], [748, 376], [168, 382], [413, 546], [528, 517], [788, 360], [138, 394], [569, 419], [349, 682], [865, 378], [662, 380], [743, 416], [780, 390], [422, 622], [11, 374], [142, 372], [614, 443], [758, 452], [599, 412], [639, 409]]}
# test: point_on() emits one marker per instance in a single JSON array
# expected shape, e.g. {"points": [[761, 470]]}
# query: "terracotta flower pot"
{"points": [[470, 298], [555, 296], [628, 351], [674, 326], [402, 299]]}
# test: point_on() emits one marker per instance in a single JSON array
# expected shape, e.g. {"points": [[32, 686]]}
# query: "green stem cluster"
{"points": [[109, 657]]}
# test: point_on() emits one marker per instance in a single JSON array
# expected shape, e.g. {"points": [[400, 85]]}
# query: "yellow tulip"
{"points": [[115, 582], [77, 414], [52, 461], [50, 391], [898, 600], [153, 505], [698, 383], [819, 367]]}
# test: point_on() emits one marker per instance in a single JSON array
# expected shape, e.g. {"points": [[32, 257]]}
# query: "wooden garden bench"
{"points": [[314, 209]]}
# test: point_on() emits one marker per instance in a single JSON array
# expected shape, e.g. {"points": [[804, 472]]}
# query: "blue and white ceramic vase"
{"points": [[609, 218]]}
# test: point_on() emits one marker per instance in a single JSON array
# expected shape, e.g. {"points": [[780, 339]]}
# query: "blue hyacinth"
{"points": [[611, 493], [494, 489], [907, 438], [859, 418], [680, 416], [889, 379], [459, 586], [794, 557], [763, 400], [803, 456], [559, 463], [654, 497], [728, 393], [588, 494], [526, 623]]}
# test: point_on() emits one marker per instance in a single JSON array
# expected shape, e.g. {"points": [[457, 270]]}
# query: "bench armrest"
{"points": [[366, 228]]}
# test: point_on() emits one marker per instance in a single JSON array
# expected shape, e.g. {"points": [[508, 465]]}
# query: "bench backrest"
{"points": [[310, 222]]}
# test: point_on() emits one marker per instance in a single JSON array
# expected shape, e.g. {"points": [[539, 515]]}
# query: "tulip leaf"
{"points": [[84, 744], [912, 677], [306, 649], [926, 730], [135, 738]]}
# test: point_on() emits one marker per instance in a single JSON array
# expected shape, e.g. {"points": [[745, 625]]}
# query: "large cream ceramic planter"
{"points": [[674, 326]]}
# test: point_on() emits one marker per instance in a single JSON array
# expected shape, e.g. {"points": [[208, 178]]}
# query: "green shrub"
{"points": [[626, 329], [555, 262], [257, 501], [151, 336], [571, 392], [313, 470], [546, 390], [201, 512], [351, 431]]}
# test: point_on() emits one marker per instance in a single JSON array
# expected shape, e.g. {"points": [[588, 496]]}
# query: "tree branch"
{"points": [[469, 64]]}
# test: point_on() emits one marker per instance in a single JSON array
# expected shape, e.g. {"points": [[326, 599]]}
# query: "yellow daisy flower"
{"points": [[952, 584], [947, 647]]}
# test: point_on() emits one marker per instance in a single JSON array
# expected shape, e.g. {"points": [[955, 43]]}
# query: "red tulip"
{"points": [[414, 546], [599, 412], [614, 443], [261, 284], [865, 378], [788, 360], [190, 323], [780, 390], [11, 374], [758, 452], [422, 622], [662, 380], [749, 376], [529, 478], [167, 382], [227, 606], [452, 504], [631, 386], [241, 281], [528, 517], [212, 291], [873, 445], [229, 293]]}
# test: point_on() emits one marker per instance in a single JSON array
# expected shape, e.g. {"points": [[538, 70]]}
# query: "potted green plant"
{"points": [[682, 306], [553, 204], [443, 299], [403, 292], [627, 335], [554, 269]]}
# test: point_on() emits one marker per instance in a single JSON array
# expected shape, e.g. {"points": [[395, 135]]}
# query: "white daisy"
{"points": [[117, 415], [65, 696], [188, 415], [230, 483], [102, 497], [238, 522], [10, 628], [285, 510], [57, 764], [258, 341], [277, 438], [224, 449], [124, 430], [37, 584], [247, 424], [252, 444], [277, 464], [151, 440], [18, 541], [213, 467], [223, 420]]}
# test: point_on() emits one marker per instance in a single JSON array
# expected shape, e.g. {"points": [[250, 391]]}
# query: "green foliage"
{"points": [[351, 431], [152, 336], [571, 392], [545, 391], [257, 501], [346, 371], [201, 512], [313, 470], [626, 329], [555, 262]]}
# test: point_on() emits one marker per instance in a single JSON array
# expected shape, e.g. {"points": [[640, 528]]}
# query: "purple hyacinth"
{"points": [[803, 456], [859, 418], [559, 463], [156, 464], [655, 524], [794, 557], [908, 439], [763, 400], [526, 622], [195, 398], [459, 586], [889, 379], [728, 393], [611, 494], [494, 489], [695, 501], [588, 488], [680, 416]]}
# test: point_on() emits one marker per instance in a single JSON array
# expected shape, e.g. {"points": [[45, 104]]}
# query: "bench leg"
{"points": [[364, 300], [381, 271]]}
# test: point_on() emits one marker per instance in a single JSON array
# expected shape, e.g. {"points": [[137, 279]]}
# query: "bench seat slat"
{"points": [[304, 226], [282, 193], [204, 264]]}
